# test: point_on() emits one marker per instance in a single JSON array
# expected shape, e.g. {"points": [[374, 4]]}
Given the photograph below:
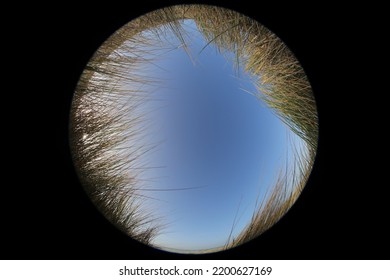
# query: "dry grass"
{"points": [[283, 194], [106, 126], [103, 114], [281, 83]]}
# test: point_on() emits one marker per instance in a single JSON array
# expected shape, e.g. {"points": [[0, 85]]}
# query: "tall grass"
{"points": [[280, 197], [107, 126], [281, 83], [106, 120]]}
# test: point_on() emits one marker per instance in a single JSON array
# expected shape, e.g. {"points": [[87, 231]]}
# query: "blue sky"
{"points": [[221, 142]]}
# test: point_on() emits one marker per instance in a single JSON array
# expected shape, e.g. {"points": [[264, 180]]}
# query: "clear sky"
{"points": [[221, 144]]}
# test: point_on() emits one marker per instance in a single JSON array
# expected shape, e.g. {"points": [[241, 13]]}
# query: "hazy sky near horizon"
{"points": [[223, 148]]}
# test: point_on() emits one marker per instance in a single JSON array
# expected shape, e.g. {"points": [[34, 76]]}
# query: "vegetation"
{"points": [[286, 190], [105, 115]]}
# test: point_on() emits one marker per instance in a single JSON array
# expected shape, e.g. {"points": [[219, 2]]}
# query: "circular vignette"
{"points": [[113, 126]]}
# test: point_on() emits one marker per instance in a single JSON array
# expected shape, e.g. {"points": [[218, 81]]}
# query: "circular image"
{"points": [[193, 129]]}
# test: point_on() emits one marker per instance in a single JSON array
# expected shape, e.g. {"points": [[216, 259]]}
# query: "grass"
{"points": [[106, 124], [283, 194], [105, 128], [281, 83]]}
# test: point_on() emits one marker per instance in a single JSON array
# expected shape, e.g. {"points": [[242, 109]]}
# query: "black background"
{"points": [[45, 213]]}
